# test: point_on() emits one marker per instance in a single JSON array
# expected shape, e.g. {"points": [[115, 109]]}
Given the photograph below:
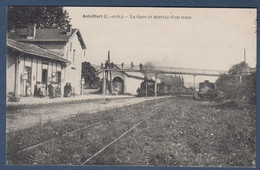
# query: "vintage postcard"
{"points": [[131, 86]]}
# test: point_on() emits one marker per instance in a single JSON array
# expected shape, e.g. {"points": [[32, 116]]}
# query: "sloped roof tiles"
{"points": [[34, 50], [41, 34], [45, 35]]}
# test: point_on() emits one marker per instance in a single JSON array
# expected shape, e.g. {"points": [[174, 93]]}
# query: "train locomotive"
{"points": [[146, 88], [207, 90]]}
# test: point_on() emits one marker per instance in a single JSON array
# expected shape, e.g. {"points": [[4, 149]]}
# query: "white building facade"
{"points": [[44, 56]]}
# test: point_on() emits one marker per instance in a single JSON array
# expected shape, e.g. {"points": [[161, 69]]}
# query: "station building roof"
{"points": [[46, 35], [34, 50]]}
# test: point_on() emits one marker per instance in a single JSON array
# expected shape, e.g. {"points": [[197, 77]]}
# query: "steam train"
{"points": [[146, 88], [162, 89], [207, 90]]}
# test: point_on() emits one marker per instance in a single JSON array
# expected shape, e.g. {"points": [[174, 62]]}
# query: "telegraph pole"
{"points": [[110, 74], [104, 83]]}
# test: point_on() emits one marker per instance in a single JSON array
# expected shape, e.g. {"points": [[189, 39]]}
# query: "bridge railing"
{"points": [[166, 70]]}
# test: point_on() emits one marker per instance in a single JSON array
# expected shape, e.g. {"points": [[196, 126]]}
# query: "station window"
{"points": [[58, 77], [44, 76]]}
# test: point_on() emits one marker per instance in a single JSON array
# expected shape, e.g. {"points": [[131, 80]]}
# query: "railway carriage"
{"points": [[162, 89]]}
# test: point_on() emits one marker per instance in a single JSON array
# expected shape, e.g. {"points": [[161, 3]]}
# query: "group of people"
{"points": [[54, 90], [39, 89], [107, 65], [67, 90], [140, 65], [111, 65]]}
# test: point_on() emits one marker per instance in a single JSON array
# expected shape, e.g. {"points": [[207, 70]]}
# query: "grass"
{"points": [[182, 132], [185, 138]]}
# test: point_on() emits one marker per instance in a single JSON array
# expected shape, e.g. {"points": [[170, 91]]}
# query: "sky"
{"points": [[203, 38]]}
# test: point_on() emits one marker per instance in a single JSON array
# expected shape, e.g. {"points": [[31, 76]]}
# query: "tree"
{"points": [[43, 17], [235, 88], [176, 81], [238, 68], [89, 74]]}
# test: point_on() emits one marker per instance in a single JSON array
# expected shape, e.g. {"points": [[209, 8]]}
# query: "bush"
{"points": [[233, 88]]}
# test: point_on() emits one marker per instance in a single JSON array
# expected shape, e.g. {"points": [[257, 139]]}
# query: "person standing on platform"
{"points": [[53, 89], [28, 89], [70, 90], [37, 89], [66, 90], [132, 64], [106, 64], [112, 65], [141, 66], [50, 87]]}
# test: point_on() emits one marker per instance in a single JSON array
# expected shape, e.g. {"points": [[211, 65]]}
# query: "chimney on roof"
{"points": [[69, 30], [31, 31]]}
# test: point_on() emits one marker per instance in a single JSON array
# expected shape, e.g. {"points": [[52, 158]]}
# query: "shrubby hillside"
{"points": [[238, 85]]}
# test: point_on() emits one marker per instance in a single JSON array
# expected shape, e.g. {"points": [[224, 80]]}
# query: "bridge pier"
{"points": [[155, 85], [194, 82], [104, 83]]}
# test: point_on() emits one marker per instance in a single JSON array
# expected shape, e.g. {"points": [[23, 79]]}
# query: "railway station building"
{"points": [[43, 56], [124, 82]]}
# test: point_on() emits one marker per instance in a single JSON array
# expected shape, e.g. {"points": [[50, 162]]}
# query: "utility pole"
{"points": [[17, 82], [104, 83], [110, 74]]}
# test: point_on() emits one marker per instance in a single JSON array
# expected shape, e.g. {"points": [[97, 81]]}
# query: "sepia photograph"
{"points": [[131, 86]]}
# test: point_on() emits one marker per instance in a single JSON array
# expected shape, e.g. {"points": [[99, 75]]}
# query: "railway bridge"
{"points": [[116, 68], [156, 70]]}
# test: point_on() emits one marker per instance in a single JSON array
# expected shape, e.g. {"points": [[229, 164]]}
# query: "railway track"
{"points": [[237, 127], [95, 144], [118, 138], [223, 120], [129, 113]]}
